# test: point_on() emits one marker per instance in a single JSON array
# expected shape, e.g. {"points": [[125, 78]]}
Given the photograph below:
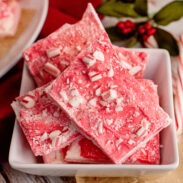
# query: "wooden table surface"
{"points": [[9, 175]]}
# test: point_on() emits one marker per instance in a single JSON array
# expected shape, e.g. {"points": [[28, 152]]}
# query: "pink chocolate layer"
{"points": [[135, 62], [45, 126], [50, 56], [107, 104]]}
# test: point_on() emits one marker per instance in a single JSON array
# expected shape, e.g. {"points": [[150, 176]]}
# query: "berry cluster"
{"points": [[146, 30], [126, 27]]}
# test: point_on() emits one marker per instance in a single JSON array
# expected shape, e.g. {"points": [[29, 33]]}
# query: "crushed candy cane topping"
{"points": [[131, 141], [44, 137], [109, 95], [141, 131], [109, 121], [134, 70], [93, 102], [28, 101], [96, 77], [126, 65], [99, 55], [53, 52], [51, 69], [64, 95], [78, 48], [97, 92], [111, 73], [54, 134], [76, 101], [118, 141], [89, 60]]}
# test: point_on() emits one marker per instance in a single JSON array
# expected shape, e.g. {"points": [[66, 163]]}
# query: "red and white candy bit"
{"points": [[98, 55], [28, 101], [94, 76], [178, 115], [53, 52], [134, 70], [178, 105], [174, 83], [51, 69], [89, 60]]}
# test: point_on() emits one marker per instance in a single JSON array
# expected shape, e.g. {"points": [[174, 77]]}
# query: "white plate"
{"points": [[159, 70], [28, 36]]}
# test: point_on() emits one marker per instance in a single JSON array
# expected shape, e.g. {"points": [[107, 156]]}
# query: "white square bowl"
{"points": [[158, 70]]}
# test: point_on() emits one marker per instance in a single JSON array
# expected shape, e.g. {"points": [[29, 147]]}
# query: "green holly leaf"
{"points": [[141, 7], [132, 43], [167, 41], [115, 36], [169, 13], [117, 9]]}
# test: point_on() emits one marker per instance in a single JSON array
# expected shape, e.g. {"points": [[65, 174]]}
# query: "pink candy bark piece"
{"points": [[107, 104], [135, 62], [45, 126], [9, 18], [48, 57], [84, 151]]}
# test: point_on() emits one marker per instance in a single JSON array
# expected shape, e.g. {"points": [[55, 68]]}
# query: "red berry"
{"points": [[147, 26], [141, 30], [151, 31], [125, 27], [120, 24], [129, 30], [129, 23], [126, 30]]}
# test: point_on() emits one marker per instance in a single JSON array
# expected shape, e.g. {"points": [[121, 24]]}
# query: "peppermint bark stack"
{"points": [[98, 101]]}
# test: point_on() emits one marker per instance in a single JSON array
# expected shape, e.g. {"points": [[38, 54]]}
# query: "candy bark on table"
{"points": [[110, 106], [45, 126], [9, 17]]}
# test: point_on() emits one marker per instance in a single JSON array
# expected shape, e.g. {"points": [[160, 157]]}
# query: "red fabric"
{"points": [[60, 12], [55, 18], [74, 8]]}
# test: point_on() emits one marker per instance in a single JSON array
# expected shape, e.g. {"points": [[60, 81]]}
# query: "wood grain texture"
{"points": [[2, 180], [9, 175]]}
